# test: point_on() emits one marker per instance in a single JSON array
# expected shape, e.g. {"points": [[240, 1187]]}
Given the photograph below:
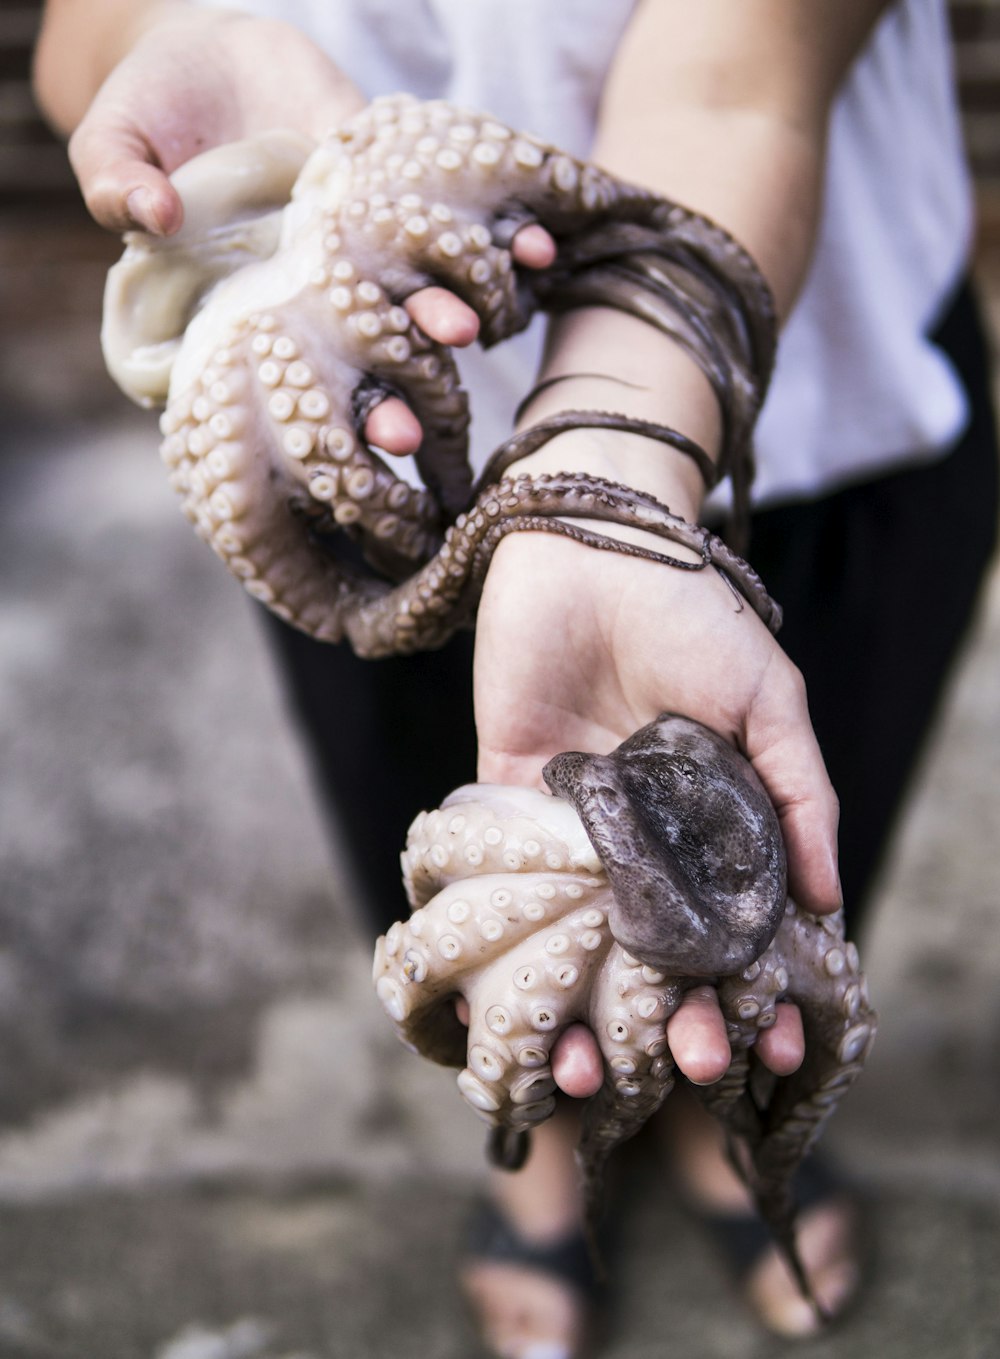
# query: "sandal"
{"points": [[745, 1243], [491, 1239]]}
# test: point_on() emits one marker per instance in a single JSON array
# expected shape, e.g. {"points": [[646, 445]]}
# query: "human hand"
{"points": [[197, 79], [576, 649], [191, 80]]}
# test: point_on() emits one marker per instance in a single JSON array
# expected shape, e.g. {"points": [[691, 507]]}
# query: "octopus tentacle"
{"points": [[480, 919], [485, 829], [839, 1026], [629, 1009], [424, 611]]}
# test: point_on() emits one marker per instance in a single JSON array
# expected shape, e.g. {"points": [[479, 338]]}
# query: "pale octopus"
{"points": [[271, 325]]}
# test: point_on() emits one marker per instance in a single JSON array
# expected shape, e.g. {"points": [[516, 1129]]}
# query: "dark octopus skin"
{"points": [[654, 869], [272, 326]]}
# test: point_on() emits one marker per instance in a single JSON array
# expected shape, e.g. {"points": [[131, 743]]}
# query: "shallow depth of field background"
{"points": [[210, 1145]]}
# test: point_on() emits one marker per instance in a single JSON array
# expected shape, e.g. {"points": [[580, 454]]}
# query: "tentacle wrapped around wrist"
{"points": [[272, 325]]}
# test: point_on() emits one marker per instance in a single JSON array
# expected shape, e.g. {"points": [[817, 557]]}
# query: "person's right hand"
{"points": [[196, 79]]}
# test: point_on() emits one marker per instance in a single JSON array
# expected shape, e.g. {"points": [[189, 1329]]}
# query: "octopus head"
{"points": [[690, 843]]}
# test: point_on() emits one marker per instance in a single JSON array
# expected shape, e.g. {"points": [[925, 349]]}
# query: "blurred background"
{"points": [[210, 1145]]}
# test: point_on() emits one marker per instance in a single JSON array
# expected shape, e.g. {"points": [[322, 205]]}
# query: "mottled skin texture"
{"points": [[273, 330], [690, 843], [678, 880]]}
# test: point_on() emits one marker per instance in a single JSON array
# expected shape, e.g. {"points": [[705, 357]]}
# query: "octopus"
{"points": [[272, 324], [648, 871]]}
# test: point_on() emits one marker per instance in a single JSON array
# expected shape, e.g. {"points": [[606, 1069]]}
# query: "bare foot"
{"points": [[827, 1232], [827, 1239], [525, 1310], [525, 1314]]}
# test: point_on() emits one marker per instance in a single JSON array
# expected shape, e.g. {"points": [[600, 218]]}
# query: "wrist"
{"points": [[609, 361]]}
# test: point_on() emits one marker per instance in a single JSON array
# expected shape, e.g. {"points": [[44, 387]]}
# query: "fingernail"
{"points": [[141, 209]]}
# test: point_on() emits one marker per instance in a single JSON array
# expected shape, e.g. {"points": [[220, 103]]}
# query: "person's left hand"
{"points": [[576, 649]]}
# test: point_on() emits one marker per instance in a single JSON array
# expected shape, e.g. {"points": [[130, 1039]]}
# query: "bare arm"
{"points": [[728, 117], [144, 85], [722, 107]]}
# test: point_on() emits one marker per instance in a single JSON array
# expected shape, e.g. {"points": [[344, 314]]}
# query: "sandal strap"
{"points": [[742, 1238], [490, 1236]]}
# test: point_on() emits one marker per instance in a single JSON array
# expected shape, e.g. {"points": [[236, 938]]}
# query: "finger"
{"points": [[393, 427], [443, 316], [577, 1065], [786, 755], [121, 186], [533, 247], [696, 1034], [782, 1047]]}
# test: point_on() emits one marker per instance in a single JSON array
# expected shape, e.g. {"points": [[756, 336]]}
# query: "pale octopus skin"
{"points": [[657, 868], [271, 325]]}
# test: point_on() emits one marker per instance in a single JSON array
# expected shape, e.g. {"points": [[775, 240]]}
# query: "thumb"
{"points": [[121, 182], [784, 751]]}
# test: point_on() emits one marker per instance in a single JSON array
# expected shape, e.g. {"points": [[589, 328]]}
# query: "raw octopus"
{"points": [[653, 869]]}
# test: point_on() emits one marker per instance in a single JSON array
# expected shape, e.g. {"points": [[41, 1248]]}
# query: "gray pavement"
{"points": [[210, 1146]]}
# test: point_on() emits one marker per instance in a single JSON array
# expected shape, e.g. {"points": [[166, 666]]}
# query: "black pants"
{"points": [[878, 583]]}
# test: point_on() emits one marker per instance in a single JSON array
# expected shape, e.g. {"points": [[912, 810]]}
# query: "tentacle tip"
{"points": [[508, 1148]]}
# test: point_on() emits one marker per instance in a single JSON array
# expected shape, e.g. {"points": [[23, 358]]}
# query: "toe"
{"points": [[524, 1314], [827, 1241]]}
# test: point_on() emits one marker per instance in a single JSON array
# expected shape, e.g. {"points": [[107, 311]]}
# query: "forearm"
{"points": [[755, 175], [607, 360], [724, 110]]}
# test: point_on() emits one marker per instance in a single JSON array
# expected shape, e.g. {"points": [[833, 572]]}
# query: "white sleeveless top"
{"points": [[858, 387]]}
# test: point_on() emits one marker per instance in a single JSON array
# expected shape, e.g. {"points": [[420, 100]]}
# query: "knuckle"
{"points": [[795, 683]]}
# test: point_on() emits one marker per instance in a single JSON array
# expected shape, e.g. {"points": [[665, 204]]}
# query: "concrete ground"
{"points": [[210, 1145]]}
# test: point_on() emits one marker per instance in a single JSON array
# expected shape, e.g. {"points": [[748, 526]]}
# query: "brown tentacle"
{"points": [[423, 612]]}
